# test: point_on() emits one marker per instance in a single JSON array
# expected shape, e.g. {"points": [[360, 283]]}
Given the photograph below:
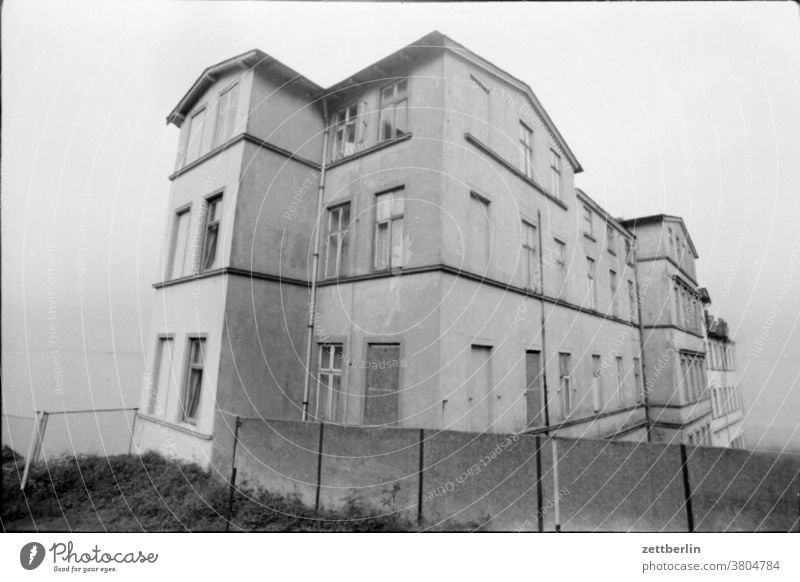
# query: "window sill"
{"points": [[366, 151], [180, 427], [590, 237]]}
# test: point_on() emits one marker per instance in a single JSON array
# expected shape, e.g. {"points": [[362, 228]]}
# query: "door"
{"points": [[480, 393], [534, 389], [381, 403]]}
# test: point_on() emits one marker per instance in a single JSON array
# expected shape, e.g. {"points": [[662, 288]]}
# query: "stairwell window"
{"points": [[193, 380], [564, 384], [389, 229], [344, 131], [394, 110], [226, 115], [530, 241], [526, 149], [338, 251], [555, 174], [194, 142], [213, 215]]}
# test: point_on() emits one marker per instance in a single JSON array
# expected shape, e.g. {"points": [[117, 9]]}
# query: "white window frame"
{"points": [[390, 262], [184, 415], [555, 174], [340, 233], [225, 124], [173, 260], [390, 107], [345, 120], [330, 372], [530, 250], [526, 141], [211, 224]]}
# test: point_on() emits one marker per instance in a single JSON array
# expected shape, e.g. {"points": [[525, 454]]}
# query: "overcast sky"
{"points": [[678, 108]]}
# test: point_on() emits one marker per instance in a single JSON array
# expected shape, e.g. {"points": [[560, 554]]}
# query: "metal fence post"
{"points": [[233, 474], [37, 436]]}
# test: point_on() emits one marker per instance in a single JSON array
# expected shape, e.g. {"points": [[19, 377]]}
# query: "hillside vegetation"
{"points": [[129, 493]]}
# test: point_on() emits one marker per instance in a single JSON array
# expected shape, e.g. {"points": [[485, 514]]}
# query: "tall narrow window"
{"points": [[555, 173], [211, 231], [628, 252], [592, 290], [564, 386], [194, 144], [620, 381], [479, 232], [632, 300], [526, 149], [329, 401], [588, 227], [193, 381], [180, 257], [344, 131], [389, 229], [561, 265], [394, 110], [637, 380], [612, 277], [597, 382], [611, 240], [162, 371], [226, 115], [480, 389], [677, 294], [531, 256], [533, 389], [336, 257]]}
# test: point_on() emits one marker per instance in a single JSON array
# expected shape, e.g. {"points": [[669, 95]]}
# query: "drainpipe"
{"points": [[544, 352], [641, 345], [312, 311]]}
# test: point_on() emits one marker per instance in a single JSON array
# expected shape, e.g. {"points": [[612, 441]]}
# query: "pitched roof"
{"points": [[632, 223], [434, 41]]}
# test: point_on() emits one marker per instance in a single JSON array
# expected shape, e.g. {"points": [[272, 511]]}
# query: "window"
{"points": [[211, 231], [226, 115], [479, 227], [629, 252], [480, 389], [611, 240], [329, 402], [561, 263], [555, 173], [612, 277], [564, 387], [597, 382], [194, 143], [637, 379], [526, 149], [588, 228], [160, 382], [344, 131], [193, 381], [394, 110], [592, 291], [337, 254], [180, 256], [531, 257], [632, 300], [677, 295], [389, 229], [533, 389], [620, 381]]}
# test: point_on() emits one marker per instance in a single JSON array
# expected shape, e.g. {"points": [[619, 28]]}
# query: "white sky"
{"points": [[679, 108]]}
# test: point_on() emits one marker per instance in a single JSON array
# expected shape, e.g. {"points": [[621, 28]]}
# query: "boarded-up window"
{"points": [[381, 403], [534, 390]]}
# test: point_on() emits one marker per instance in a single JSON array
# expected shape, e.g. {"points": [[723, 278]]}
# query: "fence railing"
{"points": [[53, 433]]}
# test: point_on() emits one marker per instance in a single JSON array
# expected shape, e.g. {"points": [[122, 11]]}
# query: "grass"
{"points": [[129, 493]]}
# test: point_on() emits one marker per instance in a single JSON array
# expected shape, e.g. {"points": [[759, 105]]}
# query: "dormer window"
{"points": [[394, 110], [344, 131]]}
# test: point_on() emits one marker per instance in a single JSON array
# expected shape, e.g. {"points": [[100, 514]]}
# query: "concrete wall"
{"points": [[511, 482]]}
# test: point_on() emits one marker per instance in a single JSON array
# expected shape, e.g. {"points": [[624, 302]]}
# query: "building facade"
{"points": [[723, 383], [408, 248]]}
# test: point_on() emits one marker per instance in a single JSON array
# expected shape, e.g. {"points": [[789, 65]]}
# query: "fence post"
{"points": [[37, 436], [233, 474], [133, 429]]}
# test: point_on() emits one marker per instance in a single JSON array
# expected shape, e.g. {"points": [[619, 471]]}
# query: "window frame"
{"points": [[341, 234], [561, 263], [532, 265], [611, 239], [390, 229], [219, 121], [591, 274], [340, 149], [169, 274], [200, 150], [331, 372], [588, 222], [565, 383], [526, 149], [556, 178], [392, 104], [188, 368], [214, 198], [614, 288], [155, 372]]}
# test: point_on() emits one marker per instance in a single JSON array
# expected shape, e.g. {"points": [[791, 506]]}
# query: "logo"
{"points": [[31, 555]]}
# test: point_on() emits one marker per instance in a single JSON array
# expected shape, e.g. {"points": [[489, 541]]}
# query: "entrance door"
{"points": [[480, 383], [381, 405]]}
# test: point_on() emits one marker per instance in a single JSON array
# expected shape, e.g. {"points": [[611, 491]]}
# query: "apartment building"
{"points": [[408, 248], [727, 409]]}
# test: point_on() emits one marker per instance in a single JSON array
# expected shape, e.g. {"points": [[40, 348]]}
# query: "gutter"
{"points": [[312, 311]]}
